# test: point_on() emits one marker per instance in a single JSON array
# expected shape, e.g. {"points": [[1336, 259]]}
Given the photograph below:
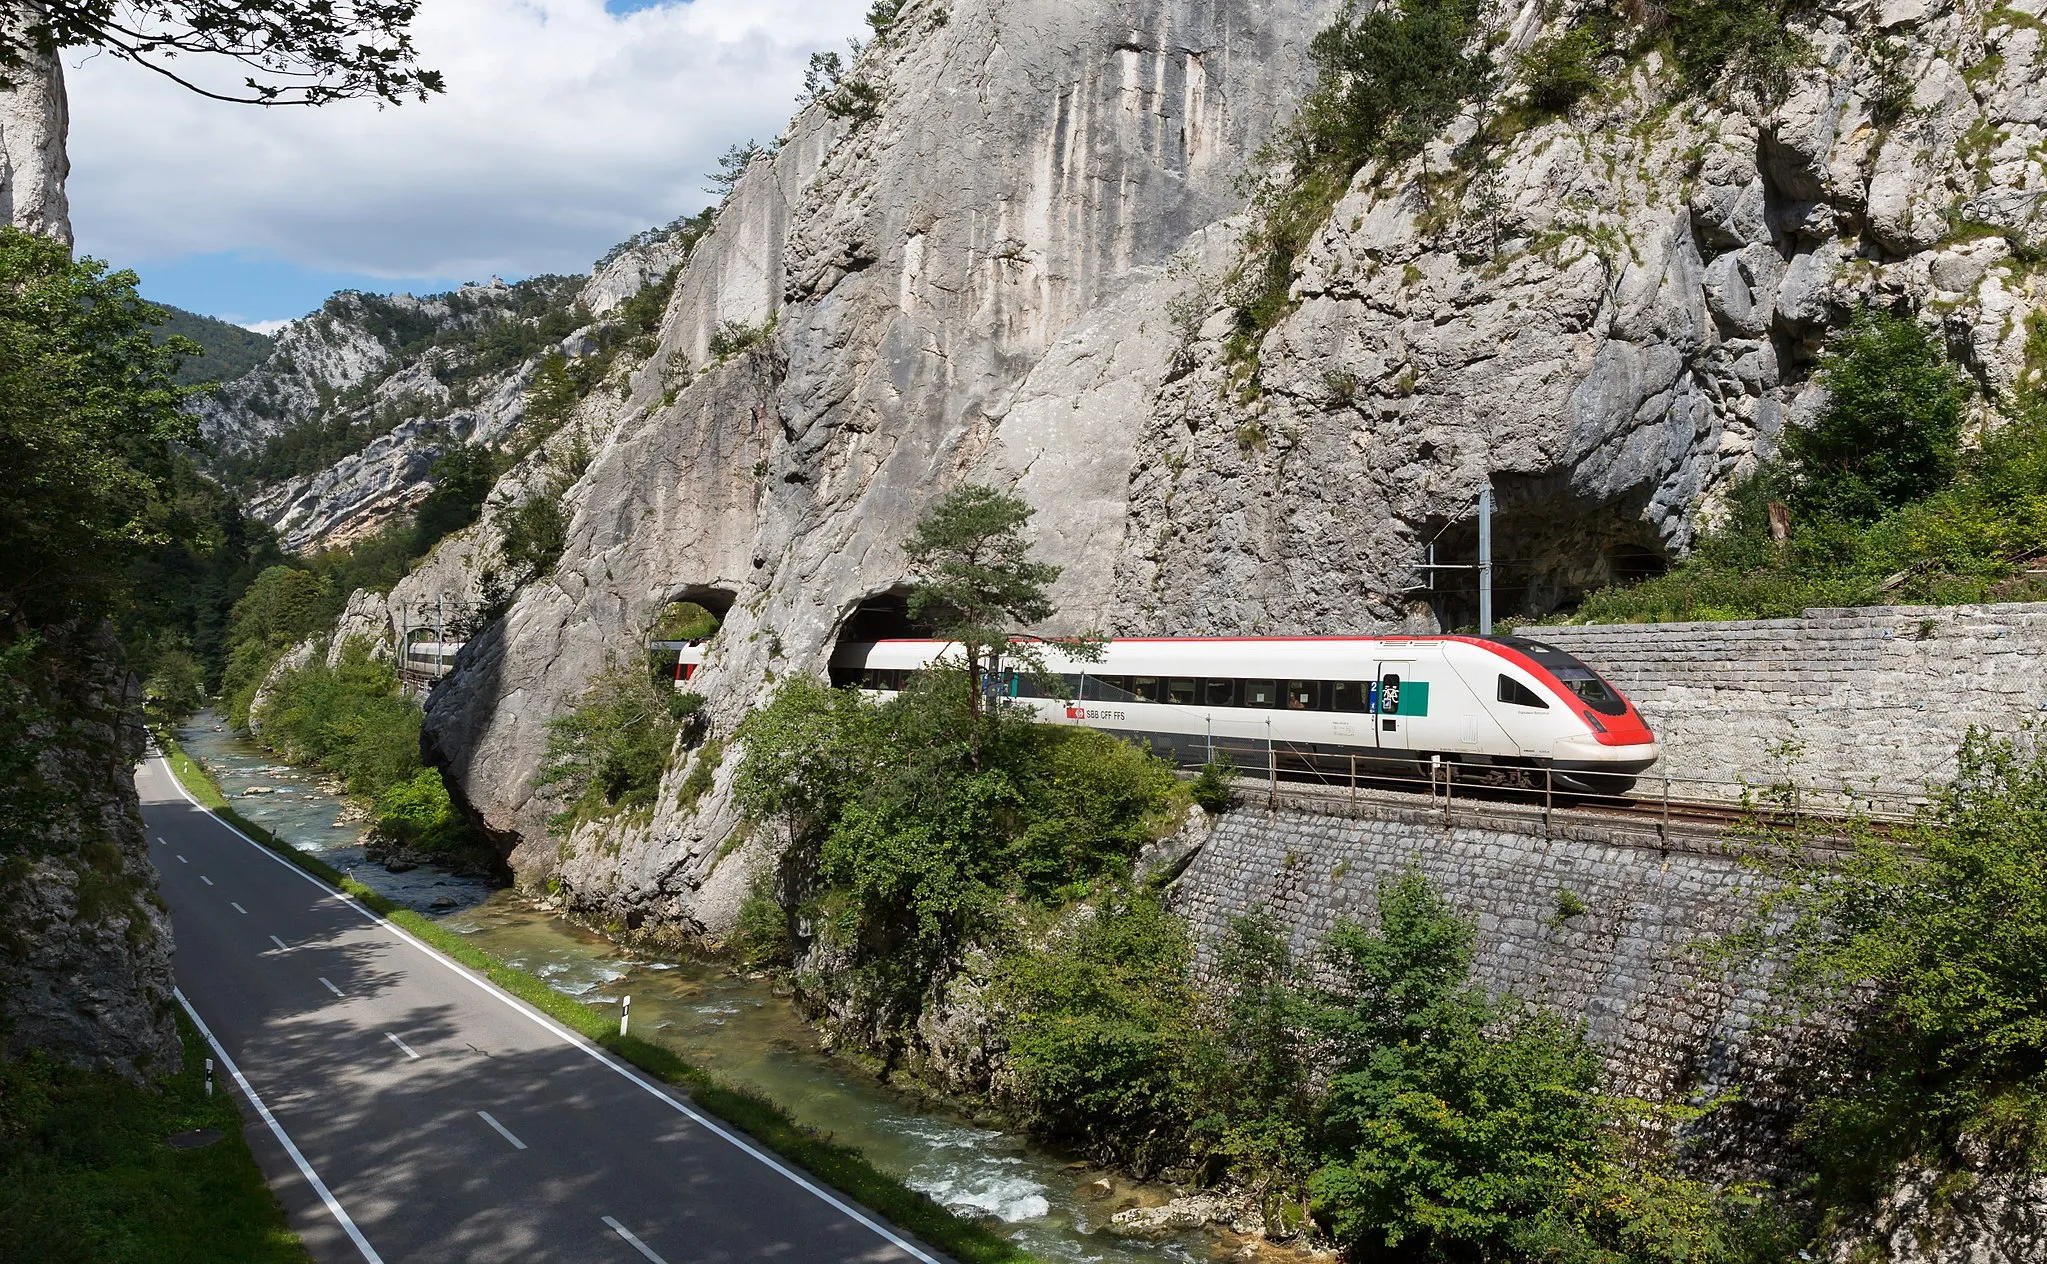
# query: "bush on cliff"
{"points": [[609, 753]]}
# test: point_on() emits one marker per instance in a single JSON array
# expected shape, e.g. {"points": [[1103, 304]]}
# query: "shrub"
{"points": [[1096, 1025], [1090, 800], [684, 621], [734, 337], [1560, 69], [1744, 45], [1212, 786], [1891, 429], [348, 719], [1937, 934], [609, 753]]}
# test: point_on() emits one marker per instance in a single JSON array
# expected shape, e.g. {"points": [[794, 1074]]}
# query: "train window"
{"points": [[1218, 693], [1512, 690], [1261, 693], [1348, 695], [1180, 691], [1597, 694], [1304, 695], [1144, 688]]}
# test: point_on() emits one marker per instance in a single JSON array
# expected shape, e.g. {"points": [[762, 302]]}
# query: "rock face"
{"points": [[34, 118], [85, 953], [1017, 270]]}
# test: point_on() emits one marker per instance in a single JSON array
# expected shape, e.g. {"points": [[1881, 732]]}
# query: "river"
{"points": [[731, 1022]]}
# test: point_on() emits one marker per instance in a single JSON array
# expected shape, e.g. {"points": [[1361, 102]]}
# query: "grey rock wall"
{"points": [[35, 117], [1018, 271], [1875, 700]]}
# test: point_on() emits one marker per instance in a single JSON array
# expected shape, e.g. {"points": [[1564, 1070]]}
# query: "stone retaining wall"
{"points": [[1877, 697], [1633, 964]]}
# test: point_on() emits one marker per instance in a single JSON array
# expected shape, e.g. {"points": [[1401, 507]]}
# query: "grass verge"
{"points": [[840, 1166], [86, 1173]]}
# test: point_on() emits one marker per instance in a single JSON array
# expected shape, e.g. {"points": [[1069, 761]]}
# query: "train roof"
{"points": [[1338, 656]]}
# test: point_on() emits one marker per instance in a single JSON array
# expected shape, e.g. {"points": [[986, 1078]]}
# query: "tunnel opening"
{"points": [[884, 616], [1551, 548], [683, 625]]}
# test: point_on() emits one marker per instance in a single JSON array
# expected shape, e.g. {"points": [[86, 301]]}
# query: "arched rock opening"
{"points": [[1551, 547]]}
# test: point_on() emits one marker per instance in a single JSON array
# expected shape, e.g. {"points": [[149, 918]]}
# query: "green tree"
{"points": [[463, 474], [609, 753], [89, 411], [1891, 429], [1937, 934], [1448, 1114], [978, 588]]}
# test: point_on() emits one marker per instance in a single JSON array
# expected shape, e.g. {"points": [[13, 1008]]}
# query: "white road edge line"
{"points": [[281, 945], [709, 1124], [238, 908], [632, 1241], [369, 1253], [329, 985], [503, 1131], [404, 1048]]}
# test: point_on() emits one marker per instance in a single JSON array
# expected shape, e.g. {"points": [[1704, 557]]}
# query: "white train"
{"points": [[432, 656], [1321, 703]]}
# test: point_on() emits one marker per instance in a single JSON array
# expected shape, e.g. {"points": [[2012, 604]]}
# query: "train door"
{"points": [[1397, 698]]}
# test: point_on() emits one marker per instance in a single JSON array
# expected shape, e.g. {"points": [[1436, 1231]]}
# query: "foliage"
{"points": [[917, 843], [175, 687], [1936, 934], [308, 52], [608, 754], [977, 586], [1891, 429], [463, 474], [225, 351], [1447, 1112], [683, 621], [1745, 45], [534, 531], [733, 337], [348, 719], [89, 409], [732, 165], [836, 1164], [1095, 1027], [1252, 1106], [1212, 786], [1560, 69], [85, 1176]]}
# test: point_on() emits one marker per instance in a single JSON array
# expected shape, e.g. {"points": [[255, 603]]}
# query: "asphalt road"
{"points": [[410, 1111]]}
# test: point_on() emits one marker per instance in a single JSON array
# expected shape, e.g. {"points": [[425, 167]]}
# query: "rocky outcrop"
{"points": [[85, 949], [974, 279], [1017, 270], [34, 118]]}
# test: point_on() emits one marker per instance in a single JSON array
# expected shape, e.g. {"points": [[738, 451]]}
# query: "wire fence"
{"points": [[1280, 769]]}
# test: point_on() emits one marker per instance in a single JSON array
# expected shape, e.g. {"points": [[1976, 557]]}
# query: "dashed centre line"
{"points": [[182, 860], [208, 881], [281, 945], [404, 1048], [632, 1241], [503, 1131], [329, 985], [238, 908]]}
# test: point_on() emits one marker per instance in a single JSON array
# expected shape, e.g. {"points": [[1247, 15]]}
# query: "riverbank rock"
{"points": [[1191, 1211]]}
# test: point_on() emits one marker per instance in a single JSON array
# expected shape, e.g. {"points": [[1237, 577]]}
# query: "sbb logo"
{"points": [[1075, 713]]}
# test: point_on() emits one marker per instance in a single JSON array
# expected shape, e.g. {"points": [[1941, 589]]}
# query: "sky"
{"points": [[567, 126]]}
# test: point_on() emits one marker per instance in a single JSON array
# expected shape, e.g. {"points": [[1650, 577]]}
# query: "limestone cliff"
{"points": [[1016, 269], [34, 118]]}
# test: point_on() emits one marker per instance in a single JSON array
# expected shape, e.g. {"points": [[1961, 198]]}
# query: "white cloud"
{"points": [[564, 128], [264, 326]]}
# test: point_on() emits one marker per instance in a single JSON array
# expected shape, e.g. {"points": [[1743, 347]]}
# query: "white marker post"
{"points": [[209, 1077], [625, 1014]]}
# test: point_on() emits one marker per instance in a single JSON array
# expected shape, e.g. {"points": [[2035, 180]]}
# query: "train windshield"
{"points": [[1574, 675]]}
